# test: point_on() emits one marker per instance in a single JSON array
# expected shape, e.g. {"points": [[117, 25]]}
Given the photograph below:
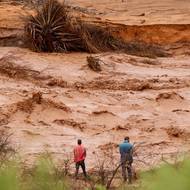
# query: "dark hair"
{"points": [[126, 138], [79, 141]]}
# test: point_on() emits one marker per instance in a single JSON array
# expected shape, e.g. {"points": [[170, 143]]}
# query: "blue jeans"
{"points": [[126, 164]]}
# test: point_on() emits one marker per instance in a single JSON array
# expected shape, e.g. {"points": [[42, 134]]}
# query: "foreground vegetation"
{"points": [[44, 177]]}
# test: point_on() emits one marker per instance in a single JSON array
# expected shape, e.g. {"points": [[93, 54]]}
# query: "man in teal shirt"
{"points": [[126, 152]]}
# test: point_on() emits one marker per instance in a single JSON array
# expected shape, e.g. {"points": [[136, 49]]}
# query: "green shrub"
{"points": [[9, 178], [168, 177], [42, 178]]}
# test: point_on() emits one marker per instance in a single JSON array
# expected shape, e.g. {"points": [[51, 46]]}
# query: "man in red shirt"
{"points": [[79, 158]]}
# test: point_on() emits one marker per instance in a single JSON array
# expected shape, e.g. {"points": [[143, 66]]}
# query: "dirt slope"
{"points": [[164, 23], [137, 12]]}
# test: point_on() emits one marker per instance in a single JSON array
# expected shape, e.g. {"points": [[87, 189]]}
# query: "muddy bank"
{"points": [[172, 38], [161, 34]]}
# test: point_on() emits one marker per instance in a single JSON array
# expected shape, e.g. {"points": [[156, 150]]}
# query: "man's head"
{"points": [[126, 139], [79, 141]]}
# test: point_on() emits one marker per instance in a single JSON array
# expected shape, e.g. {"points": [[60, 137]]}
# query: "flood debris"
{"points": [[177, 132], [94, 63], [169, 95]]}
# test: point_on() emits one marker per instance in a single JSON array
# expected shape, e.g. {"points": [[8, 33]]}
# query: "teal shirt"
{"points": [[125, 148]]}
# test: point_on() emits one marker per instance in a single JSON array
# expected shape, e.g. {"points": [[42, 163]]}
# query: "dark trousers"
{"points": [[82, 164], [126, 165]]}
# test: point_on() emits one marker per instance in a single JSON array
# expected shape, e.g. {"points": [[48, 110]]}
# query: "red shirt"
{"points": [[79, 153]]}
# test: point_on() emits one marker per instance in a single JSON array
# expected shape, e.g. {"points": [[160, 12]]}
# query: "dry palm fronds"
{"points": [[53, 30], [48, 31]]}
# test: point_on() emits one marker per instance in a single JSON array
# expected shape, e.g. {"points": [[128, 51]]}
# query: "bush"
{"points": [[168, 177], [42, 178], [7, 152], [9, 179]]}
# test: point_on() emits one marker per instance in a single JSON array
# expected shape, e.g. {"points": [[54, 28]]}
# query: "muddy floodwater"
{"points": [[48, 101]]}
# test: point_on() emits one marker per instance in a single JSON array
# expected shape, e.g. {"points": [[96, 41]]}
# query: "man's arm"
{"points": [[85, 152], [132, 151], [74, 152], [120, 149]]}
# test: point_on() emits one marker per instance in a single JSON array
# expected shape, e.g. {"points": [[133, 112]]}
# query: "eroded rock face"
{"points": [[159, 33]]}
